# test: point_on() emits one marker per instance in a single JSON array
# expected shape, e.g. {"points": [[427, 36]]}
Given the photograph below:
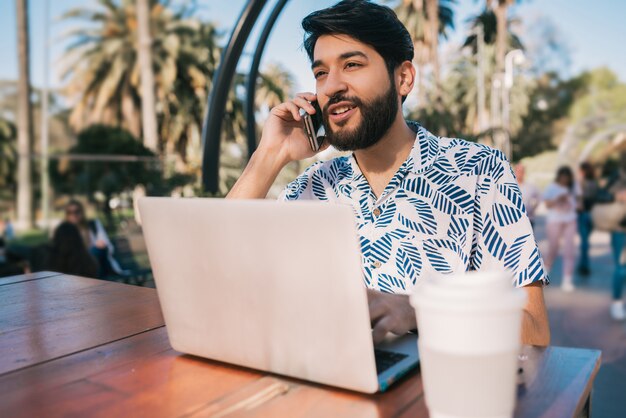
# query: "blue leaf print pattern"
{"points": [[495, 244], [408, 262], [317, 184], [513, 194], [436, 259], [388, 213], [505, 214], [390, 284], [512, 258]]}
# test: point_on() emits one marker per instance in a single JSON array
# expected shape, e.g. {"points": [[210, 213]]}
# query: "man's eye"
{"points": [[318, 74], [353, 65]]}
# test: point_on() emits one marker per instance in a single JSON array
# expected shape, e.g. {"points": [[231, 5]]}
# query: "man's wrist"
{"points": [[269, 158], [258, 176]]}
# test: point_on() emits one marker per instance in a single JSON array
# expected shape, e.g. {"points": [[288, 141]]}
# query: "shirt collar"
{"points": [[424, 150], [421, 157]]}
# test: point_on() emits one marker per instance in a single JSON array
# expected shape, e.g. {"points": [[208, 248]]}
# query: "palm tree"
{"points": [[425, 25], [182, 106], [24, 121], [103, 66], [8, 154], [488, 21], [144, 38], [274, 87], [502, 28], [503, 32]]}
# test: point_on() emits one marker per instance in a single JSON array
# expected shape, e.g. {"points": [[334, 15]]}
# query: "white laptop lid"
{"points": [[267, 285]]}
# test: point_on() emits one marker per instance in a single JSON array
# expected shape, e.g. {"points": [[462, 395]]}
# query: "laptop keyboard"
{"points": [[386, 359]]}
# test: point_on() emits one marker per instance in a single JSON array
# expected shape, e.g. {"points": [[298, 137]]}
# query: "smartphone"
{"points": [[313, 127]]}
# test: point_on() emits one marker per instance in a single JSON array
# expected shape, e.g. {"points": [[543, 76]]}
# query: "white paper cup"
{"points": [[469, 339]]}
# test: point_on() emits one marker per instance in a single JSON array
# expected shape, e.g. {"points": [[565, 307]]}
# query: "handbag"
{"points": [[609, 216]]}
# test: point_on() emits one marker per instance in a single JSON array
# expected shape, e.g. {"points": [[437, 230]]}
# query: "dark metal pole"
{"points": [[254, 73], [212, 128]]}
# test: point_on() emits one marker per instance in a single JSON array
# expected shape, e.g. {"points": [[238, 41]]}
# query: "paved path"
{"points": [[581, 319]]}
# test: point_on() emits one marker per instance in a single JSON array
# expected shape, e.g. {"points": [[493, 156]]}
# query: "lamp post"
{"points": [[512, 57]]}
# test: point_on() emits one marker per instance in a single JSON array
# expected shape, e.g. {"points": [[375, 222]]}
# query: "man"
{"points": [[424, 205]]}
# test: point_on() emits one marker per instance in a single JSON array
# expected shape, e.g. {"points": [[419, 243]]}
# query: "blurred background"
{"points": [[102, 101]]}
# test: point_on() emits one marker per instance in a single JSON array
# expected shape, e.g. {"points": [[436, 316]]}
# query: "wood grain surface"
{"points": [[27, 277], [59, 315]]}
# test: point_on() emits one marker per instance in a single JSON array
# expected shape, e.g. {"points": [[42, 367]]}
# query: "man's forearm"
{"points": [[258, 177], [535, 331], [535, 325]]}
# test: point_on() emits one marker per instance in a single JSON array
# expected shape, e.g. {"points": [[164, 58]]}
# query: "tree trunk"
{"points": [[501, 35], [432, 11], [24, 123], [148, 112]]}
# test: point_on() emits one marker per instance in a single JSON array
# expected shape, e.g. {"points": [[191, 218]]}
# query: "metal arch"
{"points": [[211, 132], [254, 73]]}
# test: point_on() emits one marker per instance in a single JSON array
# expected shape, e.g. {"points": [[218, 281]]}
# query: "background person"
{"points": [[95, 238], [587, 198], [560, 199], [617, 189], [68, 253]]}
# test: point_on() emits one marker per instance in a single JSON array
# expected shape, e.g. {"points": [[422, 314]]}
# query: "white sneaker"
{"points": [[617, 310], [567, 286]]}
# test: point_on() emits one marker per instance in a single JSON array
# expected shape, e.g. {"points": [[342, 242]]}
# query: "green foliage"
{"points": [[103, 69], [603, 97], [107, 177], [550, 102]]}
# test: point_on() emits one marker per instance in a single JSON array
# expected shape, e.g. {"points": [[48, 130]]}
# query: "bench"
{"points": [[132, 256]]}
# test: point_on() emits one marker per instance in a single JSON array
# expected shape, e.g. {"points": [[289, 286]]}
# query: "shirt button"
{"points": [[377, 264], [376, 212]]}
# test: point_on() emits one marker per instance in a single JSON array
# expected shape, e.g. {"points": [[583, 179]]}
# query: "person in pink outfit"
{"points": [[560, 199]]}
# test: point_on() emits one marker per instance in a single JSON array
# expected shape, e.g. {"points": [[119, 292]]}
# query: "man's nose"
{"points": [[334, 84]]}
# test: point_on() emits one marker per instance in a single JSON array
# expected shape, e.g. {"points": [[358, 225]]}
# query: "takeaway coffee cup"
{"points": [[469, 340]]}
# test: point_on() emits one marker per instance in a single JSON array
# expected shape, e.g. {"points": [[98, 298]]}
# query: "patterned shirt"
{"points": [[452, 206]]}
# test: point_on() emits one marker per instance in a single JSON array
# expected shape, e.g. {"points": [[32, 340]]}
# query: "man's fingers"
{"points": [[381, 329], [376, 307], [311, 97], [304, 104], [289, 107]]}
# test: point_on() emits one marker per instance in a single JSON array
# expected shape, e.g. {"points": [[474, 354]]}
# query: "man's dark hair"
{"points": [[369, 23]]}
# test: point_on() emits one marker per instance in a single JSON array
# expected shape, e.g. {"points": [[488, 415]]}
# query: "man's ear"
{"points": [[405, 78]]}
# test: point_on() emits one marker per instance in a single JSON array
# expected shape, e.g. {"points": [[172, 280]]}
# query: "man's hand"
{"points": [[283, 140], [390, 313], [283, 133]]}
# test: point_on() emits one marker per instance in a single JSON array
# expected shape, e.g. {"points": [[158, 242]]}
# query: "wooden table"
{"points": [[72, 346]]}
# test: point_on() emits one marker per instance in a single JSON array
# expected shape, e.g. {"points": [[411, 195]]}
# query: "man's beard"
{"points": [[377, 117]]}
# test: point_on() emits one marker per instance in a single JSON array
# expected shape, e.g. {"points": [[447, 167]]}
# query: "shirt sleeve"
{"points": [[503, 235], [301, 188]]}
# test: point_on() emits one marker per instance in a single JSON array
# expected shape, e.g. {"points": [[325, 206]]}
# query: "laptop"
{"points": [[271, 286]]}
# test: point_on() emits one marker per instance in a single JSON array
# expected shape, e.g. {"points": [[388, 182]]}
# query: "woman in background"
{"points": [[95, 238], [68, 253], [560, 199]]}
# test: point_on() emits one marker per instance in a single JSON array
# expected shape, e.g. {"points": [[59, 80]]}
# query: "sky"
{"points": [[594, 33]]}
